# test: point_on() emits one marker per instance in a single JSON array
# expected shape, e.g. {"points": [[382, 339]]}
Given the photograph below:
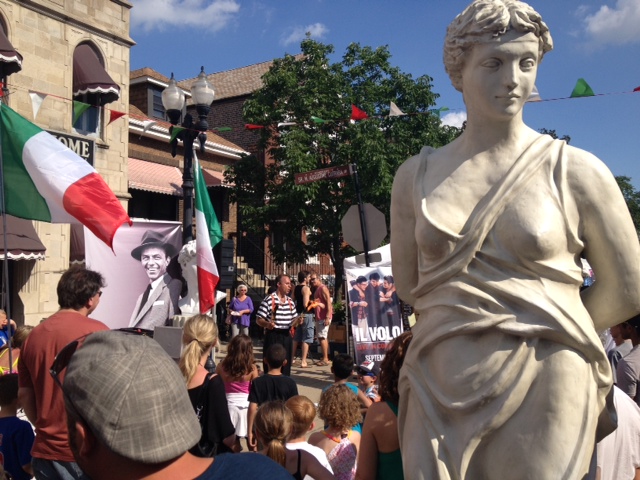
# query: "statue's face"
{"points": [[499, 75]]}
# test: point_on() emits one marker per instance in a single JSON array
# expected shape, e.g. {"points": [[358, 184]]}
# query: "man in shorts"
{"points": [[324, 314], [304, 333]]}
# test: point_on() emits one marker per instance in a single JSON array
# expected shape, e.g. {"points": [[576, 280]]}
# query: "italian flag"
{"points": [[44, 180], [208, 235]]}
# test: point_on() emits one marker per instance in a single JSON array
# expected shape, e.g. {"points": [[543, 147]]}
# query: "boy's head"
{"points": [[368, 372], [304, 412], [276, 356], [8, 389], [342, 366]]}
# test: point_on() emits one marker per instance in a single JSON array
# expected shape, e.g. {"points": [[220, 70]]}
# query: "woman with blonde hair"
{"points": [[340, 410], [199, 336], [273, 424], [17, 341], [237, 370]]}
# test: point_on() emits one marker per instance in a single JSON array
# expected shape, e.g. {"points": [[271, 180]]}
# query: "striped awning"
{"points": [[22, 241], [158, 178]]}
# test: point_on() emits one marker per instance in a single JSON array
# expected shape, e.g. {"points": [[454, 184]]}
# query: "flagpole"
{"points": [[5, 263]]}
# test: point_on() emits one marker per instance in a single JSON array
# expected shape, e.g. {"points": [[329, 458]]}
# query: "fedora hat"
{"points": [[153, 239]]}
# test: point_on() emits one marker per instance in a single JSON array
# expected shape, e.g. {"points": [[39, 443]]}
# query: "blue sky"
{"points": [[598, 40]]}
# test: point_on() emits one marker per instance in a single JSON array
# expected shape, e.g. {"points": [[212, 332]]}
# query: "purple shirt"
{"points": [[237, 306]]}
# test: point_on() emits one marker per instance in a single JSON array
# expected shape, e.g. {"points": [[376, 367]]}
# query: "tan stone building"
{"points": [[71, 50]]}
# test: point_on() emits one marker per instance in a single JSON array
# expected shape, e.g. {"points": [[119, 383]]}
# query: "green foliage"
{"points": [[632, 197], [300, 87]]}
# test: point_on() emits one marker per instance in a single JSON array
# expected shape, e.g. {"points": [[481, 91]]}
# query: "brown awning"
{"points": [[90, 77], [154, 177], [10, 59], [22, 240]]}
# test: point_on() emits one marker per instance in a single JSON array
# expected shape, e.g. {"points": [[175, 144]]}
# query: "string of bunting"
{"points": [[581, 90], [37, 98]]}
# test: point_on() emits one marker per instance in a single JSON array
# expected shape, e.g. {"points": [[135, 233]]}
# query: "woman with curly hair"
{"points": [[379, 455], [206, 392], [340, 410], [274, 423], [237, 370]]}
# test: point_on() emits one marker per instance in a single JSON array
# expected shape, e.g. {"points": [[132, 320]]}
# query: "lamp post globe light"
{"points": [[173, 100]]}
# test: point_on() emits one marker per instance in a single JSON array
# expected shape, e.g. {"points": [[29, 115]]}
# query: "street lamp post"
{"points": [[173, 100]]}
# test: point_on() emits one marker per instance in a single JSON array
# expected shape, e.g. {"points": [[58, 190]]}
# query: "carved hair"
{"points": [[486, 19], [187, 253], [200, 333]]}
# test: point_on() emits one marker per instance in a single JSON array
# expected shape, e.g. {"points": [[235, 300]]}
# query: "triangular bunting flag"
{"points": [[222, 129], [114, 115], [357, 114], [394, 111], [251, 126], [286, 124], [318, 120], [36, 102], [78, 109], [208, 235], [175, 131], [582, 89], [637, 89], [534, 96], [146, 125]]}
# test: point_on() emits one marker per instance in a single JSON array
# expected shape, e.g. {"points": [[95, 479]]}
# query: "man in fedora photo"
{"points": [[159, 302]]}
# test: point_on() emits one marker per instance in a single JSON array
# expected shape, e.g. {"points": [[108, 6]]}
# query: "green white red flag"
{"points": [[44, 180], [208, 235]]}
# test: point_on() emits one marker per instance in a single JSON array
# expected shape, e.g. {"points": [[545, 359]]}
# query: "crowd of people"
{"points": [[103, 403]]}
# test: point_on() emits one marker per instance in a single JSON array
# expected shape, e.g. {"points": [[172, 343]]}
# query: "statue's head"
{"points": [[487, 20], [187, 255]]}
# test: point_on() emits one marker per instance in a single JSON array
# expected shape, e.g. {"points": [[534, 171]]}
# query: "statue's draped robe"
{"points": [[501, 322]]}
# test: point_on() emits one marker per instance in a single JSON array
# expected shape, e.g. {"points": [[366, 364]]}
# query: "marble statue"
{"points": [[189, 304], [506, 376]]}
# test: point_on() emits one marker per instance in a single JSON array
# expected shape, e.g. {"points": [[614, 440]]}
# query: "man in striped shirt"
{"points": [[275, 314]]}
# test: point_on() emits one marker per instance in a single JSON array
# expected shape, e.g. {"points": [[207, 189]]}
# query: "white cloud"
{"points": [[297, 34], [210, 15], [454, 119], [617, 25]]}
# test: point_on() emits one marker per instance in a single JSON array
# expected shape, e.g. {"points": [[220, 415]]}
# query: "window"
{"points": [[156, 107]]}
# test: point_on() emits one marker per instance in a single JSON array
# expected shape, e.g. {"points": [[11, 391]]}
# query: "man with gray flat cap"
{"points": [[159, 302], [129, 415]]}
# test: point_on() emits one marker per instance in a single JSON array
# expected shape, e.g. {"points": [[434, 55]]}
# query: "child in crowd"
{"points": [[16, 436], [368, 373], [342, 369], [16, 344], [340, 410], [304, 414], [5, 324], [274, 422], [271, 386]]}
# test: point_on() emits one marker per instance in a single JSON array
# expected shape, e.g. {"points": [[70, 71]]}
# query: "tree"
{"points": [[632, 197], [314, 97], [630, 194]]}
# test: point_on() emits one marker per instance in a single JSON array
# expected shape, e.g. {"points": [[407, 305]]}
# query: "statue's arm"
{"points": [[610, 238], [404, 249]]}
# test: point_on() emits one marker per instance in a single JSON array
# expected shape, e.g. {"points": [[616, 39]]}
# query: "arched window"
{"points": [[92, 86]]}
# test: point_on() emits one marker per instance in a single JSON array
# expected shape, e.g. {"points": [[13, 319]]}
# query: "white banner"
{"points": [[374, 307], [126, 279]]}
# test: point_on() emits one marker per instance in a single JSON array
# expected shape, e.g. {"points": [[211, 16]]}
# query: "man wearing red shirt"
{"points": [[79, 291]]}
